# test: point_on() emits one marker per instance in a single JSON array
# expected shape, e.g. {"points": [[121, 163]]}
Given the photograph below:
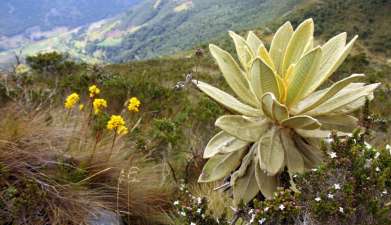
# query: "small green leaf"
{"points": [[273, 109], [316, 99], [302, 75], [344, 123], [245, 128], [345, 101], [242, 49], [271, 152], [294, 158], [279, 45], [330, 54], [266, 184], [301, 122], [220, 166], [223, 143], [245, 186], [254, 42], [234, 76], [298, 43], [263, 79], [332, 66], [264, 55], [312, 155], [280, 111], [227, 100], [267, 102], [318, 133]]}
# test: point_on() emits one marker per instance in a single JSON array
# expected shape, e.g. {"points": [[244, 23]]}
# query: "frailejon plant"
{"points": [[280, 116]]}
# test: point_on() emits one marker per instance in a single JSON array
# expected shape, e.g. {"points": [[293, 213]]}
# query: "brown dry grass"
{"points": [[48, 162]]}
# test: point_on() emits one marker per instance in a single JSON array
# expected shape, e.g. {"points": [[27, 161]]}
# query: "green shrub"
{"points": [[353, 186]]}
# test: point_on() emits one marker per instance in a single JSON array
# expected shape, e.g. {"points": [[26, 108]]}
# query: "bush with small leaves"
{"points": [[193, 210], [352, 187]]}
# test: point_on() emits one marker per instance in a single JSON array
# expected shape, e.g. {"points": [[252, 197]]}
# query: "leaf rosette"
{"points": [[279, 114]]}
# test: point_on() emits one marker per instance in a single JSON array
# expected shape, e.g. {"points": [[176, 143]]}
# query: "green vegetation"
{"points": [[56, 162]]}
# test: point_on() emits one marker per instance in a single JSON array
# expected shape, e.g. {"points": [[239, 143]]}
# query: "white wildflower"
{"points": [[281, 207], [377, 169], [388, 147], [384, 192], [261, 221], [328, 140], [337, 186], [176, 202], [318, 199], [266, 209], [341, 209], [333, 155], [368, 163], [199, 211], [183, 213], [192, 223], [367, 145], [252, 218], [330, 196], [199, 200], [377, 155], [314, 169]]}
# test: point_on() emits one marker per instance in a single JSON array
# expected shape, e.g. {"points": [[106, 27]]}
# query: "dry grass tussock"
{"points": [[48, 177]]}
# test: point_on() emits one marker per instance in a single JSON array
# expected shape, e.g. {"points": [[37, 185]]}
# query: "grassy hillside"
{"points": [[368, 19]]}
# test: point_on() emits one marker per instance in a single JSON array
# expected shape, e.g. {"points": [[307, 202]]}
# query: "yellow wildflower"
{"points": [[22, 69], [94, 91], [134, 105], [71, 101], [81, 107], [117, 124], [99, 104], [122, 130]]}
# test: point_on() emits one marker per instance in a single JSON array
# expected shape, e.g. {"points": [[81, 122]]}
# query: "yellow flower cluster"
{"points": [[134, 105], [117, 124], [71, 100], [98, 105], [81, 107], [94, 91]]}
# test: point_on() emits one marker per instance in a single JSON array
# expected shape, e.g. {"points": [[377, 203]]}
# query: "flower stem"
{"points": [[112, 145], [97, 139]]}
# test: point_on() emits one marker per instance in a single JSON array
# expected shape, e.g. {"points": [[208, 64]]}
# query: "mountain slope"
{"points": [[153, 28], [18, 15], [23, 22], [370, 20]]}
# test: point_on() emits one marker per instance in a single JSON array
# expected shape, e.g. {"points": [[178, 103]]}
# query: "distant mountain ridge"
{"points": [[23, 22], [16, 16], [152, 28]]}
